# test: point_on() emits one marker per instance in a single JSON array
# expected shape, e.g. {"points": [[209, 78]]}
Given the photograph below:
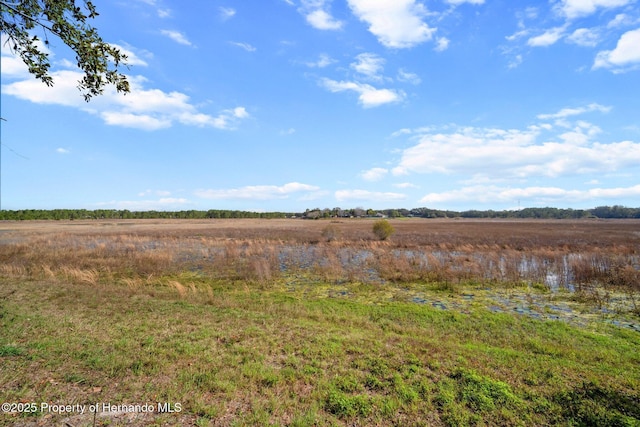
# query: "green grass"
{"points": [[240, 354]]}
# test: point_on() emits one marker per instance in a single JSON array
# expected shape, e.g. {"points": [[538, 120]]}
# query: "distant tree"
{"points": [[314, 214], [383, 229], [358, 212], [23, 20]]}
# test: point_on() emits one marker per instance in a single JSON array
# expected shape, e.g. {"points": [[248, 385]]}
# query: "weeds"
{"points": [[260, 326]]}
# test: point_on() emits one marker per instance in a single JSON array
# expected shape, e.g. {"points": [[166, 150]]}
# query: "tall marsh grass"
{"points": [[594, 265]]}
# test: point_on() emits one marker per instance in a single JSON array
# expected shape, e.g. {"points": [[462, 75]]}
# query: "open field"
{"points": [[292, 322]]}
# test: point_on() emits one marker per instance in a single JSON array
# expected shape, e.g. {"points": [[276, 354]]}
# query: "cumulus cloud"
{"points": [[625, 55], [567, 149], [322, 20], [371, 196], [176, 36], [368, 96], [396, 23], [142, 108], [257, 192], [317, 14], [492, 194], [579, 8], [13, 67]]}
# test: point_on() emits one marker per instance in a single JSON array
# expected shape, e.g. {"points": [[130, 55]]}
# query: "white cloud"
{"points": [[442, 44], [568, 112], [176, 36], [322, 20], [405, 76], [132, 57], [578, 8], [323, 61], [239, 113], [136, 121], [405, 185], [369, 96], [547, 38], [584, 37], [374, 174], [317, 14], [621, 20], [62, 150], [13, 67], [626, 54], [162, 13], [161, 193], [364, 195], [518, 154], [518, 35], [396, 23], [257, 192], [142, 108], [369, 65], [227, 119], [245, 46], [531, 12], [457, 2], [535, 194], [63, 92], [515, 62], [226, 13]]}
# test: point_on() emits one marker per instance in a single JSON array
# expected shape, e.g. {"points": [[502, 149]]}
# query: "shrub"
{"points": [[383, 229], [331, 233]]}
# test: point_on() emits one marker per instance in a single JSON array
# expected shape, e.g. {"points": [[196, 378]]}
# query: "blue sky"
{"points": [[284, 105]]}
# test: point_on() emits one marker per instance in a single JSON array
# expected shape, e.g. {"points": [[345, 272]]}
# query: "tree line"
{"points": [[77, 214], [616, 211]]}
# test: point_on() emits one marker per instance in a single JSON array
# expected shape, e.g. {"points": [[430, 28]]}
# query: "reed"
{"points": [[593, 258]]}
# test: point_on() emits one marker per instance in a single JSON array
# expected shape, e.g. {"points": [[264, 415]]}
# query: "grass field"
{"points": [[305, 323]]}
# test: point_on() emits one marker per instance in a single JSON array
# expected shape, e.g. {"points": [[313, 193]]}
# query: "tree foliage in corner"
{"points": [[23, 20]]}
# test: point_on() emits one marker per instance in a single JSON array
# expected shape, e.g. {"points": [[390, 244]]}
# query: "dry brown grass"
{"points": [[586, 254], [199, 312]]}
